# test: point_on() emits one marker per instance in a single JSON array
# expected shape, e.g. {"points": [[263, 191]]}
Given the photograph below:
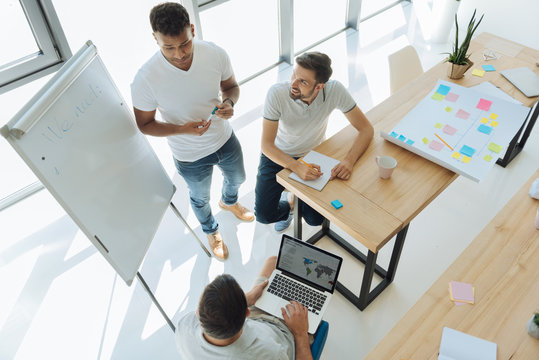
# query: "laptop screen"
{"points": [[308, 262]]}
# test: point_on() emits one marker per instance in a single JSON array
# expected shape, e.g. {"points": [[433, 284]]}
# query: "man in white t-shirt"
{"points": [[184, 81], [296, 114], [227, 325]]}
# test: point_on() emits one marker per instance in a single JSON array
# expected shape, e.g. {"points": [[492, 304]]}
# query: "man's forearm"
{"points": [[303, 350], [360, 144], [232, 93], [156, 128]]}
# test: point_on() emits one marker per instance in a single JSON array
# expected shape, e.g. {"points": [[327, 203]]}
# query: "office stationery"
{"points": [[461, 292], [309, 165], [326, 165], [524, 79], [336, 204], [478, 72], [488, 67], [303, 273], [481, 129], [456, 345]]}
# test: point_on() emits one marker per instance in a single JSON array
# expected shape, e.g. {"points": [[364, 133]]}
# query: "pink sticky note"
{"points": [[484, 104], [451, 97], [435, 145], [462, 114], [449, 130], [462, 291]]}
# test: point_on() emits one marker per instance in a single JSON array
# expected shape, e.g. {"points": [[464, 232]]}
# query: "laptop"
{"points": [[304, 273], [524, 79]]}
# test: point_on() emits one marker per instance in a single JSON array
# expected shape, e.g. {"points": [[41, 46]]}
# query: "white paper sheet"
{"points": [[456, 345], [326, 163]]}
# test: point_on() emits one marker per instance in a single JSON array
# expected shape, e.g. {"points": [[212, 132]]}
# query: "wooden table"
{"points": [[375, 210], [502, 263]]}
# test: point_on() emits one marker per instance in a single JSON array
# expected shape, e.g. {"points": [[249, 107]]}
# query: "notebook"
{"points": [[303, 273], [326, 164], [456, 345], [524, 79]]}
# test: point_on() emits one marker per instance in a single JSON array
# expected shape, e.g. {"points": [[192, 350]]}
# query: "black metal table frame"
{"points": [[366, 296]]}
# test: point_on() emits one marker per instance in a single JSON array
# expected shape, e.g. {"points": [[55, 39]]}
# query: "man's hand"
{"points": [[298, 320], [224, 110], [307, 172], [342, 170], [196, 127], [254, 294]]}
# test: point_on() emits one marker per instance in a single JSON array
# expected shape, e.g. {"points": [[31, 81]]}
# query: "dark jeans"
{"points": [[268, 207]]}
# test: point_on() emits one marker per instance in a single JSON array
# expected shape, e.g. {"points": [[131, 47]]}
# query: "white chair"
{"points": [[404, 66]]}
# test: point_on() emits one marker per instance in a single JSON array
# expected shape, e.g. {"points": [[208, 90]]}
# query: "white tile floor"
{"points": [[61, 300]]}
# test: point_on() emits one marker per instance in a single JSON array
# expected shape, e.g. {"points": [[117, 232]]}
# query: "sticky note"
{"points": [[438, 96], [449, 130], [478, 72], [484, 129], [455, 155], [484, 120], [493, 116], [462, 114], [336, 204], [438, 126], [402, 137], [425, 141], [484, 104], [494, 147], [488, 67], [487, 158], [436, 146], [394, 134], [465, 159], [466, 150], [451, 97], [462, 292], [443, 89], [410, 142], [448, 109], [494, 123]]}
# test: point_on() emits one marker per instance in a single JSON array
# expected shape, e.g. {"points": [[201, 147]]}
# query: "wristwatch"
{"points": [[231, 101]]}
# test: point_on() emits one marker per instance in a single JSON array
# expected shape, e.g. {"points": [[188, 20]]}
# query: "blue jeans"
{"points": [[197, 175], [268, 207]]}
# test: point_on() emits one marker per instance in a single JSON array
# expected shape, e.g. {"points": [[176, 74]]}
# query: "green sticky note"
{"points": [[487, 158], [425, 141], [438, 96], [448, 109], [438, 126], [495, 148]]}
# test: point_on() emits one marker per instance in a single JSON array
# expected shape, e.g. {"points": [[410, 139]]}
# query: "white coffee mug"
{"points": [[386, 165]]}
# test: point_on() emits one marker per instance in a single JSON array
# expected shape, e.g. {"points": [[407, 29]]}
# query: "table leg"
{"points": [[297, 218]]}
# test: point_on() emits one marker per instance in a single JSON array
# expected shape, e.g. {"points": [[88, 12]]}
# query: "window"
{"points": [[33, 43]]}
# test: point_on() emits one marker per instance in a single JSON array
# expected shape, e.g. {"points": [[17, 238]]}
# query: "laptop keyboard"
{"points": [[287, 289]]}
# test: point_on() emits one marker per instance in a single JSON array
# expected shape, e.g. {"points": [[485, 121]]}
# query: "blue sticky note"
{"points": [[443, 89], [410, 142], [394, 134], [484, 129], [402, 137], [488, 67], [336, 204], [466, 150]]}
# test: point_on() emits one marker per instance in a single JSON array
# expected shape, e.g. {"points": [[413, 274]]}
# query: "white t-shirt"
{"points": [[259, 340], [184, 96], [303, 127]]}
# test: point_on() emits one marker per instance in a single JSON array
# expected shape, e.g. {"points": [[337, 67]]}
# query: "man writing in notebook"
{"points": [[227, 325], [183, 80], [296, 114]]}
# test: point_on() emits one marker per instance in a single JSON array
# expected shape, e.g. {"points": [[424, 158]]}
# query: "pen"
{"points": [[212, 113], [309, 165]]}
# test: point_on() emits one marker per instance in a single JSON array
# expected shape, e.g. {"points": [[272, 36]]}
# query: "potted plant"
{"points": [[533, 325], [458, 59]]}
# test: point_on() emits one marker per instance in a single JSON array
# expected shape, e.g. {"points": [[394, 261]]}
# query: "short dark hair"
{"points": [[222, 308], [169, 18], [318, 62]]}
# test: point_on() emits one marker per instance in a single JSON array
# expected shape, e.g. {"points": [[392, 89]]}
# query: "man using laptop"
{"points": [[227, 325]]}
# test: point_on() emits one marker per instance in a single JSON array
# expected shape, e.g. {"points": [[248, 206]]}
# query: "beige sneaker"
{"points": [[240, 211], [217, 246]]}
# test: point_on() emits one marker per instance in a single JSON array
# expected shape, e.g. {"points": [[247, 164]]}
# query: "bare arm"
{"points": [[269, 132], [343, 170], [298, 323], [229, 90], [148, 125]]}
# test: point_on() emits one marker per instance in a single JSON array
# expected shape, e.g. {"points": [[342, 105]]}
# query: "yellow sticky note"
{"points": [[493, 116], [487, 158], [438, 126], [425, 141], [465, 159], [495, 147], [478, 72], [484, 120], [455, 155], [494, 123], [448, 109]]}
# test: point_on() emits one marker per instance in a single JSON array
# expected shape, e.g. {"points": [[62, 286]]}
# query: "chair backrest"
{"points": [[404, 66], [319, 339]]}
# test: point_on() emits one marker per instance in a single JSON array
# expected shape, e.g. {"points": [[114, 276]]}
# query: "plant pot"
{"points": [[533, 328], [457, 71]]}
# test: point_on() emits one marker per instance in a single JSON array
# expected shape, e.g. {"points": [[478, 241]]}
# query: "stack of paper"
{"points": [[461, 293], [456, 345]]}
